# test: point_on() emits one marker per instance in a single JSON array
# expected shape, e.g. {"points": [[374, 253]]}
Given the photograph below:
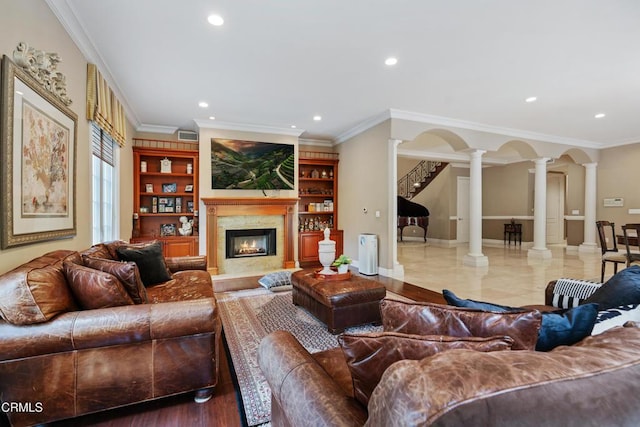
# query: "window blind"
{"points": [[102, 144]]}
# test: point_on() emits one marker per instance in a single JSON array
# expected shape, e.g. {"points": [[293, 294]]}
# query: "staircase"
{"points": [[418, 178]]}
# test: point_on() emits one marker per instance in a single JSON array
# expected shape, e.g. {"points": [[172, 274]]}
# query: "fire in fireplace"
{"points": [[251, 242]]}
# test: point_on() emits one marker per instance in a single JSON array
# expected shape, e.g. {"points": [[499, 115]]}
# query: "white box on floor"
{"points": [[368, 254]]}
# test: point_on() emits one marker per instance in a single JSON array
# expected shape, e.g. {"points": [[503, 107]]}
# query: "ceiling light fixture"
{"points": [[317, 118], [293, 126], [202, 104], [212, 118], [599, 115], [215, 20], [531, 99], [391, 61]]}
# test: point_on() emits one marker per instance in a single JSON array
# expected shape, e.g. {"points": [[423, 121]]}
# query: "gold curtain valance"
{"points": [[103, 107]]}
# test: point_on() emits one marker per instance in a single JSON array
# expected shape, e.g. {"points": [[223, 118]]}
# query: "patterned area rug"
{"points": [[247, 317]]}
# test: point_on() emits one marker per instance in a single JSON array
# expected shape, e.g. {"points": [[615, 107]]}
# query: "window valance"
{"points": [[103, 107]]}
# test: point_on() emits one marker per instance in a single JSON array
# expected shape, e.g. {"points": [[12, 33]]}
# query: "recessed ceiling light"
{"points": [[599, 115], [293, 126], [317, 118], [391, 61], [202, 104], [531, 99], [212, 118], [215, 20]]}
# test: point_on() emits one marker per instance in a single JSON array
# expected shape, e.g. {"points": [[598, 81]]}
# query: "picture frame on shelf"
{"points": [[165, 165], [188, 188], [189, 206], [171, 187], [167, 230], [149, 188], [40, 137]]}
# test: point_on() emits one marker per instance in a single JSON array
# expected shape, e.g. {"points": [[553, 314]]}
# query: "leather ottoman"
{"points": [[338, 303]]}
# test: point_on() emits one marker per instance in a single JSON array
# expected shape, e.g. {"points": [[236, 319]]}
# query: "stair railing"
{"points": [[417, 175]]}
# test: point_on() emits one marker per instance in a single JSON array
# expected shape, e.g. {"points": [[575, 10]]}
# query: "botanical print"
{"points": [[45, 164]]}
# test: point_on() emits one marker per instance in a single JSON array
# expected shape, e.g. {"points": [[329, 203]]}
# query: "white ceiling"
{"points": [[278, 63]]}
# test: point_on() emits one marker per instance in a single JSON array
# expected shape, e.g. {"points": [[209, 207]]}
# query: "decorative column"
{"points": [[539, 249], [398, 269], [475, 257], [589, 244]]}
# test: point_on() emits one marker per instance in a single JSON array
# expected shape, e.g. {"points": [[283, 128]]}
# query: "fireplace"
{"points": [[250, 242]]}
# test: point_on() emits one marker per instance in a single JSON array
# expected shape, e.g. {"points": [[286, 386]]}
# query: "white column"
{"points": [[539, 249], [589, 244], [398, 269], [475, 257]]}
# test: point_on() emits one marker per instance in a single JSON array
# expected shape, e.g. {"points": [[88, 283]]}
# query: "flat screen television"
{"points": [[251, 165]]}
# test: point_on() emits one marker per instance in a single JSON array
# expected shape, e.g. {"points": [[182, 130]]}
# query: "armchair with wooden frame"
{"points": [[631, 237], [609, 246]]}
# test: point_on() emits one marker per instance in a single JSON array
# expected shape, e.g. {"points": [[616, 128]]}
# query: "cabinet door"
{"points": [[308, 245], [179, 247]]}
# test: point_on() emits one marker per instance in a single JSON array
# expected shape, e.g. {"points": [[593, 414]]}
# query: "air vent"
{"points": [[187, 135]]}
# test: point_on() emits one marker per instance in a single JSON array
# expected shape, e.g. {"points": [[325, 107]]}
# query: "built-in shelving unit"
{"points": [[318, 205], [165, 189]]}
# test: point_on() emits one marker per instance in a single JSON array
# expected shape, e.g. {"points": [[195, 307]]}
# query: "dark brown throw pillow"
{"points": [[95, 289], [437, 319], [150, 262], [369, 355], [126, 272]]}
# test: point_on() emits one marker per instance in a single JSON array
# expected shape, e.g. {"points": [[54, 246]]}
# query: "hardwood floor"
{"points": [[224, 408]]}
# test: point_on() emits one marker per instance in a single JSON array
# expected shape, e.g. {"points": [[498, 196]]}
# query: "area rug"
{"points": [[248, 316]]}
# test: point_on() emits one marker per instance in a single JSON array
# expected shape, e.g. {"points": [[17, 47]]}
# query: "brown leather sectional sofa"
{"points": [[591, 383], [59, 361]]}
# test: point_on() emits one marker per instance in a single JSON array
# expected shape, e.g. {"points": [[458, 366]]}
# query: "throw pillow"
{"points": [[562, 327], [149, 260], [369, 355], [622, 289], [276, 281], [95, 289], [618, 316], [37, 291], [126, 272], [438, 319]]}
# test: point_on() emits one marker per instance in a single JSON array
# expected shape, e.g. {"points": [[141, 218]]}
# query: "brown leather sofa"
{"points": [[59, 361], [592, 383]]}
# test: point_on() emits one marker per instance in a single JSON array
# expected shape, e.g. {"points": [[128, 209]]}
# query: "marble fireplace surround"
{"points": [[248, 206]]}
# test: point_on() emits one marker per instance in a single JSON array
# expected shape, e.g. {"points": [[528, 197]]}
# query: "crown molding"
{"points": [[63, 10], [315, 142], [244, 127], [156, 129], [363, 126], [516, 133]]}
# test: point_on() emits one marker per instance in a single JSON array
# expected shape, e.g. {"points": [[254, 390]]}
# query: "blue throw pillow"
{"points": [[558, 328], [622, 289]]}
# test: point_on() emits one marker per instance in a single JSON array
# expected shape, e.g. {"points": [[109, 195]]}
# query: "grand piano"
{"points": [[411, 213]]}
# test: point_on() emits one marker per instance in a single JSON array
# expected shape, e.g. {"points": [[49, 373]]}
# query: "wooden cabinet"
{"points": [[165, 191], [318, 205]]}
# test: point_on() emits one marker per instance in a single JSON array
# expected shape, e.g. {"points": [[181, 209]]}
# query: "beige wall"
{"points": [[506, 190], [32, 21], [618, 177], [364, 183]]}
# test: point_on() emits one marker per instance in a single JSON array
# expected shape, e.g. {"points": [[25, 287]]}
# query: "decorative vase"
{"points": [[326, 253], [343, 268]]}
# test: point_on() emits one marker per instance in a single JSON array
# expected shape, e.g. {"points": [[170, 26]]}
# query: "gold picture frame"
{"points": [[38, 154]]}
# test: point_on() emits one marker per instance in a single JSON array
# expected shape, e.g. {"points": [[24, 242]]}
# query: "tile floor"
{"points": [[510, 279]]}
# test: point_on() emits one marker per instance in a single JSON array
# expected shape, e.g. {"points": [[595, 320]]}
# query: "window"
{"points": [[104, 194]]}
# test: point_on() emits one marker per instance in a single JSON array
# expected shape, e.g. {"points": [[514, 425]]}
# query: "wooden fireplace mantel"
{"points": [[233, 206]]}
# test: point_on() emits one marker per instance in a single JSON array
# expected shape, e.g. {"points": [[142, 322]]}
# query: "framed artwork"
{"points": [[169, 188], [149, 188], [188, 188], [39, 161], [168, 230]]}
